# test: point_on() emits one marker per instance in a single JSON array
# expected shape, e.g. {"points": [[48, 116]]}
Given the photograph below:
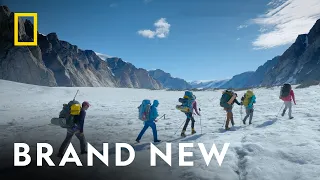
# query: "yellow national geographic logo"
{"points": [[16, 29]]}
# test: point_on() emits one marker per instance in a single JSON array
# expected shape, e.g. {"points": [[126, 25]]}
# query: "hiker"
{"points": [[153, 114], [248, 100], [190, 117], [77, 130], [287, 95], [227, 100]]}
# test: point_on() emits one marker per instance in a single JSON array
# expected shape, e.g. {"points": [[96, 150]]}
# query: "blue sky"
{"points": [[191, 39]]}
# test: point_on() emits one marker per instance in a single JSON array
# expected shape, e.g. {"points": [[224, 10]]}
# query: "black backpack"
{"points": [[285, 90]]}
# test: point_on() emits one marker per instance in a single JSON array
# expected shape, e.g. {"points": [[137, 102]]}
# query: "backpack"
{"points": [[69, 111], [285, 90], [144, 110], [226, 96], [246, 99], [186, 102]]}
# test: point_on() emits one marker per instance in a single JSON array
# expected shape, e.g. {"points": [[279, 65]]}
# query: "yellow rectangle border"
{"points": [[16, 29]]}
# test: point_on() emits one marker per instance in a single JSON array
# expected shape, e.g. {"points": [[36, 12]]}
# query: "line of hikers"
{"points": [[148, 113]]}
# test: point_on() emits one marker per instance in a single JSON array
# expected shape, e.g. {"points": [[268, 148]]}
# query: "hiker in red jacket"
{"points": [[287, 99]]}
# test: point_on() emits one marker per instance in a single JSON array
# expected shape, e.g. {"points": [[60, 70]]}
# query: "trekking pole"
{"points": [[280, 110], [179, 127], [163, 116], [224, 122], [76, 95], [241, 112], [200, 121]]}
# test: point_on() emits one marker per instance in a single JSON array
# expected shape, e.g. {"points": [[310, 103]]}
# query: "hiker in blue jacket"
{"points": [[249, 107], [151, 122]]}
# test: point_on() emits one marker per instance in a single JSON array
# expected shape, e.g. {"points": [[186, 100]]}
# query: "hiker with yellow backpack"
{"points": [[248, 100], [188, 106]]}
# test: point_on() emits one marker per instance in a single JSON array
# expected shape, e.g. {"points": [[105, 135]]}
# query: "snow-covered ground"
{"points": [[272, 148]]}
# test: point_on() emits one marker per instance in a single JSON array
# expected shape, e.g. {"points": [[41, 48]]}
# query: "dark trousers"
{"points": [[189, 117], [67, 140], [249, 113], [146, 126]]}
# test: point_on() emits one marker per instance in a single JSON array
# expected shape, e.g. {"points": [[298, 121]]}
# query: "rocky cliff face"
{"points": [[127, 75], [168, 81], [21, 64], [300, 63], [73, 66], [256, 79]]}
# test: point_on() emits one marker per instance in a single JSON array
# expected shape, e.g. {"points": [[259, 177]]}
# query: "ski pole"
{"points": [[179, 127]]}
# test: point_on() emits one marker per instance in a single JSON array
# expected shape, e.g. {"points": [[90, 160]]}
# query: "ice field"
{"points": [[272, 148]]}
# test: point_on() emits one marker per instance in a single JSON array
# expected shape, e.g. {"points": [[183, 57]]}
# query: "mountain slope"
{"points": [[238, 81], [300, 62], [256, 79], [18, 63], [168, 81], [208, 84], [127, 75], [73, 66]]}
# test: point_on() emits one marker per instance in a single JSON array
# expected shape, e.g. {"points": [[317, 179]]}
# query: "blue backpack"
{"points": [[144, 110]]}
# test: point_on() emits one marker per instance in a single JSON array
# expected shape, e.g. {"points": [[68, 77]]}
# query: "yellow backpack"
{"points": [[247, 97]]}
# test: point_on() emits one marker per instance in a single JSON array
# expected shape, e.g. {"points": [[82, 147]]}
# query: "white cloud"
{"points": [[162, 30], [238, 39], [147, 33], [284, 21], [242, 26]]}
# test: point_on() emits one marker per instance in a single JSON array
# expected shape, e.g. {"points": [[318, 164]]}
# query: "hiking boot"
{"points": [[244, 122], [183, 134], [284, 112], [137, 140], [250, 123], [291, 117], [227, 128], [193, 131], [157, 141]]}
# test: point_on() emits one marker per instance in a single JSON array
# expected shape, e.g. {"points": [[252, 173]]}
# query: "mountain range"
{"points": [[54, 62], [299, 64]]}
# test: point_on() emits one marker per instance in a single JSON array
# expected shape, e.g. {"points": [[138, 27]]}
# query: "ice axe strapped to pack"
{"points": [[67, 114]]}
